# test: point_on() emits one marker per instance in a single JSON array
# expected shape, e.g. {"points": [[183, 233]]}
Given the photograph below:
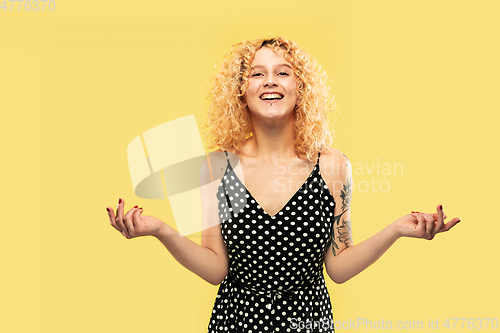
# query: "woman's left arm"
{"points": [[343, 259]]}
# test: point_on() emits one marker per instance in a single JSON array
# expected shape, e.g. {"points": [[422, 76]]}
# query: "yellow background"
{"points": [[416, 83]]}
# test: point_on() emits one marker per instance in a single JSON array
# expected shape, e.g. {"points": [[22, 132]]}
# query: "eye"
{"points": [[283, 73], [256, 74]]}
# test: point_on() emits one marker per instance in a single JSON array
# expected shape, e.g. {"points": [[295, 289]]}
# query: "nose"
{"points": [[270, 81]]}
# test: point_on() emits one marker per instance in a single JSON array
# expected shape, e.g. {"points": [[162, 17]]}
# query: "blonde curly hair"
{"points": [[228, 121]]}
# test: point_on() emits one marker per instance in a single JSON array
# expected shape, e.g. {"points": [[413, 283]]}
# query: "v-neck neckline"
{"points": [[289, 200]]}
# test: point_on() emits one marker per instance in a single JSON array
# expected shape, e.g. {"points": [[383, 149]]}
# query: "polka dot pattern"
{"points": [[275, 273]]}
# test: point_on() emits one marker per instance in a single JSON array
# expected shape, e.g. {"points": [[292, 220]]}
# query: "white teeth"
{"points": [[270, 96]]}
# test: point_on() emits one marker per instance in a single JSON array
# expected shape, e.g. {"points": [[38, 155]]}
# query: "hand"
{"points": [[132, 224], [423, 225]]}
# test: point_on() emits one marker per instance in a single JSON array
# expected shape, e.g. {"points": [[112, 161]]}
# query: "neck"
{"points": [[273, 140]]}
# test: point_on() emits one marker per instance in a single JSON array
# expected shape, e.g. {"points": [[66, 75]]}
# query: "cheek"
{"points": [[251, 91], [292, 86], [293, 91], [244, 99], [252, 86]]}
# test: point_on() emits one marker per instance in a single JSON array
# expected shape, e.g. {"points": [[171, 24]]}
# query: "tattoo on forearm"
{"points": [[336, 220], [343, 225]]}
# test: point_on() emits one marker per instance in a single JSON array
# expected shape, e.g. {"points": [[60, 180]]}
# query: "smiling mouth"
{"points": [[271, 97]]}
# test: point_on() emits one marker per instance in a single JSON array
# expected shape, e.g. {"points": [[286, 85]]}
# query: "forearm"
{"points": [[198, 259], [355, 259]]}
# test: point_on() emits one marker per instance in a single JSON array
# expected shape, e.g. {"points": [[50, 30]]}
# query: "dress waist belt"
{"points": [[273, 293]]}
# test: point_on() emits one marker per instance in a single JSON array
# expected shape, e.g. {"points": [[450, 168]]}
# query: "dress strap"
{"points": [[319, 153], [227, 158]]}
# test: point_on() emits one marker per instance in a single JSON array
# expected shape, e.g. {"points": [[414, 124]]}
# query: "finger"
{"points": [[435, 216], [119, 217], [136, 220], [428, 216], [420, 227], [112, 218], [429, 224], [127, 220], [440, 220], [450, 224]]}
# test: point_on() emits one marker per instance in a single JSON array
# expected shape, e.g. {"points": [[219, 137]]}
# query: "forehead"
{"points": [[266, 56]]}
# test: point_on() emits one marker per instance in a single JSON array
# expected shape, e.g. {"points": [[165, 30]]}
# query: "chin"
{"points": [[274, 114]]}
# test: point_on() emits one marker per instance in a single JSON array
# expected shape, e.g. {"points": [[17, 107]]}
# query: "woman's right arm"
{"points": [[208, 260]]}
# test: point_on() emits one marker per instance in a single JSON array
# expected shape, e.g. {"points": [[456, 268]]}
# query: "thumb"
{"points": [[139, 212]]}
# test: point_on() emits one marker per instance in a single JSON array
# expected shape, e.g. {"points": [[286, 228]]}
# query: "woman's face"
{"points": [[272, 84]]}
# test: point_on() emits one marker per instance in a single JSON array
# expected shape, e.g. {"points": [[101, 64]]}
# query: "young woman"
{"points": [[276, 207]]}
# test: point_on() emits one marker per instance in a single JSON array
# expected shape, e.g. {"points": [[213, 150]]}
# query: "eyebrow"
{"points": [[259, 66]]}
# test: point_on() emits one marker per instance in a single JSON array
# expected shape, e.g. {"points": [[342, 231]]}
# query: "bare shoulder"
{"points": [[213, 166], [335, 168], [334, 160]]}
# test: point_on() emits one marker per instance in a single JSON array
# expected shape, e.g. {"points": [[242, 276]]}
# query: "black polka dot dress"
{"points": [[275, 281]]}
